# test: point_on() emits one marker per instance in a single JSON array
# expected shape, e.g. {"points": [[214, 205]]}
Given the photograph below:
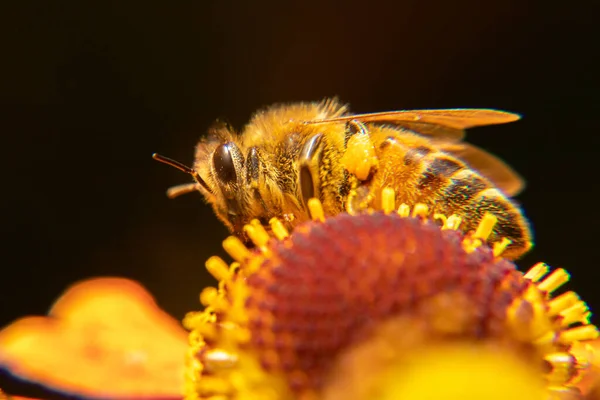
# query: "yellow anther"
{"points": [[420, 210], [453, 222], [236, 249], [546, 339], [404, 210], [315, 208], [573, 314], [561, 303], [537, 272], [485, 227], [278, 229], [218, 268], [388, 200], [253, 265], [500, 246], [578, 334], [555, 280], [208, 295], [257, 234]]}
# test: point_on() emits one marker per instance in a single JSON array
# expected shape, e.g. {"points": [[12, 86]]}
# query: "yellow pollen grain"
{"points": [[485, 227], [404, 210], [388, 200], [208, 296], [562, 303], [500, 246], [420, 210], [315, 208], [217, 268], [537, 272], [578, 334], [236, 249], [555, 280], [278, 229], [257, 234], [359, 157]]}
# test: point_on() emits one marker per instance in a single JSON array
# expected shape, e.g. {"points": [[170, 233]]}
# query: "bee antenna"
{"points": [[183, 168]]}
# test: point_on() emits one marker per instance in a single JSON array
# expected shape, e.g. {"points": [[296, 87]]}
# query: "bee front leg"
{"points": [[360, 161]]}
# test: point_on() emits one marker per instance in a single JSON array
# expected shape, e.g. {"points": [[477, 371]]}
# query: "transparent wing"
{"points": [[488, 165], [448, 124]]}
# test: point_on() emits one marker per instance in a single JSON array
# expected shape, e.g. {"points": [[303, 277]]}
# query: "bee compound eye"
{"points": [[224, 160]]}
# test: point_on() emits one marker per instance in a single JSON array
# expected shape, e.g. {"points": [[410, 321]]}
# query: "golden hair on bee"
{"points": [[290, 153]]}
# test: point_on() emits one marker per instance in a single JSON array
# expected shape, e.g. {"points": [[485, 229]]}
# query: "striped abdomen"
{"points": [[423, 174]]}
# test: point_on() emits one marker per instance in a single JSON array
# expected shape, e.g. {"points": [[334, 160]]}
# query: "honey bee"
{"points": [[288, 154]]}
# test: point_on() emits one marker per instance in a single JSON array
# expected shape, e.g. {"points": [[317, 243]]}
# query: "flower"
{"points": [[292, 318], [104, 338], [377, 305]]}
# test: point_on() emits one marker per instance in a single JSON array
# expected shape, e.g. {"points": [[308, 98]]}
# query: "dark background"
{"points": [[89, 90]]}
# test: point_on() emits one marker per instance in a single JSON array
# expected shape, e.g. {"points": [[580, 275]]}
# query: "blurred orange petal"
{"points": [[104, 337]]}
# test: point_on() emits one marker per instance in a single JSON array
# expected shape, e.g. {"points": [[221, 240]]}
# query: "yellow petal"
{"points": [[104, 337]]}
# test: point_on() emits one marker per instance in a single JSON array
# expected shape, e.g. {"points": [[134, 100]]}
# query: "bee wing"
{"points": [[446, 124], [488, 165]]}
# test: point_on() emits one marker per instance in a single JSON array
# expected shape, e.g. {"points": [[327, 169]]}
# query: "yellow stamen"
{"points": [[420, 210], [573, 314], [580, 333], [556, 279], [485, 227], [257, 233], [218, 268], [537, 272], [500, 246], [278, 229], [208, 295], [561, 303], [404, 210], [440, 217], [253, 265], [388, 200], [236, 249], [315, 208]]}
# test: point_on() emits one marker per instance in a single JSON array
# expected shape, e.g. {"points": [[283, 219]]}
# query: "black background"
{"points": [[89, 90]]}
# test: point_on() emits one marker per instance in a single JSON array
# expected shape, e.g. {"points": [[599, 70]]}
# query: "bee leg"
{"points": [[308, 176], [359, 159]]}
